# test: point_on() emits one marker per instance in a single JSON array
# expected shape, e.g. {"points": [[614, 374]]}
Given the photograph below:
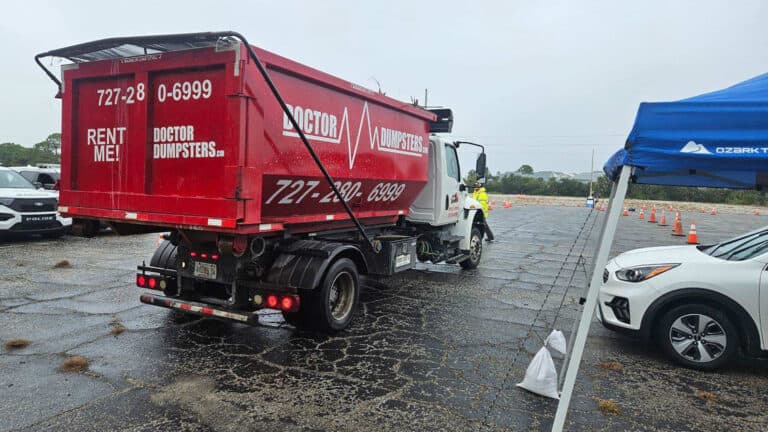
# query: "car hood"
{"points": [[661, 255], [25, 193]]}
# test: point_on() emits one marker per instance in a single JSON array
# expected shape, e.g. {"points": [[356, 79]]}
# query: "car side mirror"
{"points": [[480, 166]]}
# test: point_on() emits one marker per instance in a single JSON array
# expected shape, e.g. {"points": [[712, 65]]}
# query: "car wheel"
{"points": [[331, 306], [698, 336], [475, 250]]}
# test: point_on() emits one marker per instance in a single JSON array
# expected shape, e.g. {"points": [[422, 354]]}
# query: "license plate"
{"points": [[205, 270], [402, 260], [38, 218]]}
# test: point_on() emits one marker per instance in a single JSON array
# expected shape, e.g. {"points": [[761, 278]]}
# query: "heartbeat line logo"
{"points": [[322, 126]]}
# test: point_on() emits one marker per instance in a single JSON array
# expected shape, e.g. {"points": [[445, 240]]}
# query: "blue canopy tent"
{"points": [[718, 139]]}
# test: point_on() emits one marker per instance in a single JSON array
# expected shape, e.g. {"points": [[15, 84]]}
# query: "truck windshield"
{"points": [[741, 248], [13, 180]]}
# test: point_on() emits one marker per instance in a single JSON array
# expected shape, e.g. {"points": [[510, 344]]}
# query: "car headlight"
{"points": [[6, 201], [643, 273]]}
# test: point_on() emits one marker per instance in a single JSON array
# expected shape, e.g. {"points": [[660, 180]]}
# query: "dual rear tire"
{"points": [[331, 306]]}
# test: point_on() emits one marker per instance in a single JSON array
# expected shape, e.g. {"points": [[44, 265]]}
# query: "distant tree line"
{"points": [[517, 183], [46, 151]]}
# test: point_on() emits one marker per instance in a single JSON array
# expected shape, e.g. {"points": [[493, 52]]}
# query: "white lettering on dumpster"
{"points": [[178, 142], [321, 126], [106, 143]]}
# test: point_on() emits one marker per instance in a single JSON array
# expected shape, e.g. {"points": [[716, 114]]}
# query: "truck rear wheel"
{"points": [[331, 306], [475, 250], [165, 256]]}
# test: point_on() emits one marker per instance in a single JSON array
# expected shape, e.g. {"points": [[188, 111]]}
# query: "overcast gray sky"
{"points": [[538, 82]]}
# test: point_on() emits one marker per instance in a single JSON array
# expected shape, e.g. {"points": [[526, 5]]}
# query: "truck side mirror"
{"points": [[480, 166]]}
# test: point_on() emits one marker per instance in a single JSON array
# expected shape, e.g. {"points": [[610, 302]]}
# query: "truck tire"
{"points": [[165, 256], [331, 306], [475, 250], [85, 228]]}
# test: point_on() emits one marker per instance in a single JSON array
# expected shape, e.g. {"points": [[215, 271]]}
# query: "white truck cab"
{"points": [[445, 204]]}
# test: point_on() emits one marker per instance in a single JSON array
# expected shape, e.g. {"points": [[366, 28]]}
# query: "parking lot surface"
{"points": [[435, 348]]}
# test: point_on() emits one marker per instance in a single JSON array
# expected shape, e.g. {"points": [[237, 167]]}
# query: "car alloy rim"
{"points": [[698, 338], [342, 296], [475, 247]]}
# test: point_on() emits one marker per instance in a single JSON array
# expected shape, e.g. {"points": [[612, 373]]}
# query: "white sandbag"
{"points": [[556, 340], [541, 375]]}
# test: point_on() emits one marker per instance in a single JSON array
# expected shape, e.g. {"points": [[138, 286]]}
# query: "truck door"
{"points": [[449, 198]]}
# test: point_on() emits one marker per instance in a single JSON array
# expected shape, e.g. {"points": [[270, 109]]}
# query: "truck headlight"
{"points": [[643, 273]]}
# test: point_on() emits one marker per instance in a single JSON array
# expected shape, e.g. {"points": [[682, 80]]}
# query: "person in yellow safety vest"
{"points": [[481, 196]]}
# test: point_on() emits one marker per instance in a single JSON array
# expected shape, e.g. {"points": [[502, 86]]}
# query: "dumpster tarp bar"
{"points": [[122, 47], [717, 139]]}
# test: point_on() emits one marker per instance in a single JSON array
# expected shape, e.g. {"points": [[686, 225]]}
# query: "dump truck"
{"points": [[280, 185]]}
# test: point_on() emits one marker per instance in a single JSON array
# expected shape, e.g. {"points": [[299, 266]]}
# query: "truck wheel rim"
{"points": [[341, 296], [475, 248], [698, 338]]}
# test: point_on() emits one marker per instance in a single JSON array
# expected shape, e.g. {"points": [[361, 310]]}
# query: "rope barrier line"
{"points": [[531, 330]]}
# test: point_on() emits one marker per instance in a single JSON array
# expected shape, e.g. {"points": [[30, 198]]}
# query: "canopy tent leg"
{"points": [[583, 298], [618, 193]]}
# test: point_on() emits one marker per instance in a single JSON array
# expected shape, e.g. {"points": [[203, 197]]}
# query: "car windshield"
{"points": [[741, 248], [13, 180]]}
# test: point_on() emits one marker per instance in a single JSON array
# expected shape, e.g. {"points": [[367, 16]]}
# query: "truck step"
{"points": [[201, 309], [452, 239], [457, 259]]}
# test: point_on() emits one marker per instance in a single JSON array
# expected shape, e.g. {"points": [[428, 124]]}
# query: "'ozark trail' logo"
{"points": [[694, 147]]}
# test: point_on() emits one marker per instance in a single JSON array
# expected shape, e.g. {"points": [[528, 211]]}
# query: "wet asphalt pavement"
{"points": [[432, 349]]}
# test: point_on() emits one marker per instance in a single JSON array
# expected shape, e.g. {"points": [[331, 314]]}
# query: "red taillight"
{"points": [[214, 256], [272, 301], [204, 255], [286, 303], [141, 280], [152, 282], [193, 254]]}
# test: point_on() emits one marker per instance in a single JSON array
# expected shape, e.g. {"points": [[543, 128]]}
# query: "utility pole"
{"points": [[425, 98], [591, 171]]}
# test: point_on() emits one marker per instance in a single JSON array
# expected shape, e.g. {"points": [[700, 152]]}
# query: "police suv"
{"points": [[25, 209]]}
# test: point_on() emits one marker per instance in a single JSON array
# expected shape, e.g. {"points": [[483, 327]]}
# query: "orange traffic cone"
{"points": [[626, 212], [642, 215], [712, 212], [692, 237], [677, 227], [663, 220], [757, 212], [703, 210], [652, 219], [670, 208]]}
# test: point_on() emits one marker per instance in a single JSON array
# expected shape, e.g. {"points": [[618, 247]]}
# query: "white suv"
{"points": [[702, 304], [24, 209]]}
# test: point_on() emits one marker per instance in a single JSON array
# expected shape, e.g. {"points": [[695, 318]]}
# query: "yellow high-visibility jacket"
{"points": [[481, 196]]}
